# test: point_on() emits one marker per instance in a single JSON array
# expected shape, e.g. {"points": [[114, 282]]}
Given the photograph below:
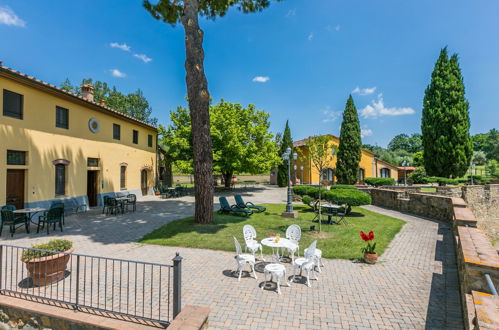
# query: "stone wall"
{"points": [[427, 205], [484, 202]]}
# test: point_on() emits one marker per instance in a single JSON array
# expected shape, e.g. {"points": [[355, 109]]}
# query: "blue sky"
{"points": [[298, 59]]}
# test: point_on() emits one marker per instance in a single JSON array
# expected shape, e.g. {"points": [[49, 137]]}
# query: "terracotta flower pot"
{"points": [[48, 270], [370, 258]]}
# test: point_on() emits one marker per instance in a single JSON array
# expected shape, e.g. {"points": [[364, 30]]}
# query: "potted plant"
{"points": [[45, 266], [370, 255]]}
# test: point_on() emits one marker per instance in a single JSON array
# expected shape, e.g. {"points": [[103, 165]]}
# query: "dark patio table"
{"points": [[28, 214]]}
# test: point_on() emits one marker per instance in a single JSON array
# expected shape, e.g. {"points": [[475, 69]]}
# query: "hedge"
{"points": [[377, 182], [352, 197], [313, 191], [307, 200], [347, 196], [439, 180]]}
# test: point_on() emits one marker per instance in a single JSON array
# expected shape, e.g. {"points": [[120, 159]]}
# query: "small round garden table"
{"points": [[282, 244]]}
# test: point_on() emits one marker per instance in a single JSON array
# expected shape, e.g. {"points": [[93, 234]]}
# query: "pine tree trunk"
{"points": [[199, 103], [227, 179]]}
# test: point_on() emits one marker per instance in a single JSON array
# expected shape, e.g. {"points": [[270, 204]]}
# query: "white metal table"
{"points": [[276, 246]]}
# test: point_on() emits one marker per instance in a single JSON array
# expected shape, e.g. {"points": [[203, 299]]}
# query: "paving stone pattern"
{"points": [[413, 286]]}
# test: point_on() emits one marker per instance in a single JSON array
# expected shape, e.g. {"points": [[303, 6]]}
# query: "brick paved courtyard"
{"points": [[414, 285]]}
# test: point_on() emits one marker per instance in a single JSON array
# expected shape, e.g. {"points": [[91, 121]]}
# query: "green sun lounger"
{"points": [[225, 207], [241, 204]]}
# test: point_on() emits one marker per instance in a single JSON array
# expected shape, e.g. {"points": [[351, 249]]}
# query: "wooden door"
{"points": [[143, 182], [92, 177], [15, 188]]}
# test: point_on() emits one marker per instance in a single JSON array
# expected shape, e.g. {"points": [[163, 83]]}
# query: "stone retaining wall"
{"points": [[475, 254], [427, 205]]}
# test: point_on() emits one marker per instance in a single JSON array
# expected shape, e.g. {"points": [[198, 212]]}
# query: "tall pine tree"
{"points": [[349, 151], [282, 170], [445, 124]]}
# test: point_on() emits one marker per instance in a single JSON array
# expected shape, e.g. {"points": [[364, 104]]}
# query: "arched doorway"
{"points": [[143, 182]]}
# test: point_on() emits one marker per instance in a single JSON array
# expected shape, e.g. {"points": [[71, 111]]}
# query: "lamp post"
{"points": [[287, 157], [405, 163], [301, 179], [294, 174]]}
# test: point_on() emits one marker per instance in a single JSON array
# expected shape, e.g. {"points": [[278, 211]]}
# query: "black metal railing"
{"points": [[137, 291]]}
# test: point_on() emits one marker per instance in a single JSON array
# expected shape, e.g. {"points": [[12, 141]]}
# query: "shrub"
{"points": [[307, 200], [53, 246], [347, 196], [313, 191], [377, 182], [442, 181], [418, 176], [343, 186]]}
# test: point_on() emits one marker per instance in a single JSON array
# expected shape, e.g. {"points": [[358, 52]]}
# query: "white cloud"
{"points": [[291, 13], [122, 46], [261, 79], [366, 132], [310, 36], [337, 27], [117, 73], [377, 108], [364, 91], [8, 17], [143, 57], [330, 115]]}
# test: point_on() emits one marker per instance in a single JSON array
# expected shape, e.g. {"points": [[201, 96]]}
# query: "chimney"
{"points": [[87, 92]]}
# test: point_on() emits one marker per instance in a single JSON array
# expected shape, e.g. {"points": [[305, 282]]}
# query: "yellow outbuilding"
{"points": [[56, 145], [369, 167]]}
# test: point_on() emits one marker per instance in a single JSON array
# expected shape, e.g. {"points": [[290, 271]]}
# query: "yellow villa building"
{"points": [[56, 145], [369, 167]]}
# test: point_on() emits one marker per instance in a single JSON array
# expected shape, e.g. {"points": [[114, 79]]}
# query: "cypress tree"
{"points": [[282, 170], [445, 123], [349, 151]]}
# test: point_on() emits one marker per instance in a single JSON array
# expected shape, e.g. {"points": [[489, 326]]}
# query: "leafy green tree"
{"points": [[282, 170], [407, 143], [445, 123], [349, 151], [400, 141], [241, 139], [479, 158], [491, 148], [320, 152], [134, 104], [493, 168], [187, 12], [418, 159]]}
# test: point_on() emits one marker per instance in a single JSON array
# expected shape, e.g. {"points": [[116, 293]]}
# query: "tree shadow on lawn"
{"points": [[188, 225]]}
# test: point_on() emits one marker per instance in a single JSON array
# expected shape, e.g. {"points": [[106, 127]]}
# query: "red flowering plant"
{"points": [[371, 246]]}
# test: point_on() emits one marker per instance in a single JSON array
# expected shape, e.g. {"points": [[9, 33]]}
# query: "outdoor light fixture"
{"points": [[288, 157]]}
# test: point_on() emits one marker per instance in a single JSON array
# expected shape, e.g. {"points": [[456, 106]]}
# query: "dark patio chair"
{"points": [[14, 221], [53, 216], [132, 201], [60, 205], [226, 208], [241, 204], [343, 213], [105, 203]]}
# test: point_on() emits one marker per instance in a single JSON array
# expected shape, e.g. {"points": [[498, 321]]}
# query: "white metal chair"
{"points": [[243, 259], [306, 264], [277, 271], [252, 244], [318, 258], [293, 234]]}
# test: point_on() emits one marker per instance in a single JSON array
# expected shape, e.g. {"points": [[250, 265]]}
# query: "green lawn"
{"points": [[428, 189], [335, 241]]}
